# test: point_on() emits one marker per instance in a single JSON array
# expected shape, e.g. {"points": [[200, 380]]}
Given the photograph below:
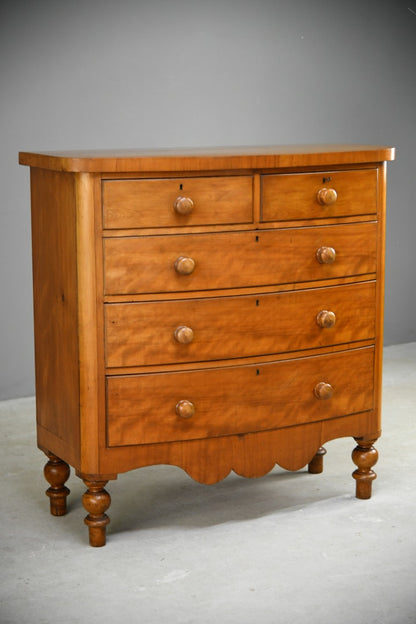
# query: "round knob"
{"points": [[323, 390], [326, 255], [183, 334], [326, 318], [185, 409], [184, 265], [326, 196], [183, 205]]}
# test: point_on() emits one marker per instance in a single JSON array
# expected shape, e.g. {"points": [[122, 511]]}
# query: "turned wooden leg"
{"points": [[364, 456], [316, 465], [56, 472], [96, 501]]}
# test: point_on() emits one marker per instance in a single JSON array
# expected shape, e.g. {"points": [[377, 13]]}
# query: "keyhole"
{"points": [[180, 187]]}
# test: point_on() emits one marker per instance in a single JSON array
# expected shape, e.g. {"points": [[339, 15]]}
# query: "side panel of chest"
{"points": [[55, 284]]}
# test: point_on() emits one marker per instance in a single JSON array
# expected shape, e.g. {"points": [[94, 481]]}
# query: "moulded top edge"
{"points": [[208, 158]]}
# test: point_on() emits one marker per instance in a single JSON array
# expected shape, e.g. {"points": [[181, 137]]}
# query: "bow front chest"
{"points": [[215, 309]]}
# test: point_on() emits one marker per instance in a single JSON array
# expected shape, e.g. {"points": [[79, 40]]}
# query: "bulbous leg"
{"points": [[96, 501], [56, 472], [364, 457], [316, 465]]}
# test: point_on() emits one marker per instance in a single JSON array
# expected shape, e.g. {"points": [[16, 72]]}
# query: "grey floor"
{"points": [[284, 549]]}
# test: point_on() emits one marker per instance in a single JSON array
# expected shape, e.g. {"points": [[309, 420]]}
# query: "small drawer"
{"points": [[160, 407], [140, 334], [298, 196], [177, 202], [183, 263]]}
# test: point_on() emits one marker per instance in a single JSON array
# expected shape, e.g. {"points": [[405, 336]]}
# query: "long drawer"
{"points": [[177, 202], [227, 327], [152, 264], [287, 197], [161, 407]]}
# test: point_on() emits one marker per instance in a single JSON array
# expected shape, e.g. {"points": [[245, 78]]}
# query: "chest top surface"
{"points": [[209, 158]]}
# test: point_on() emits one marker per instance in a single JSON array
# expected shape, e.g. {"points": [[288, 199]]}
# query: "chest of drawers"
{"points": [[215, 309]]}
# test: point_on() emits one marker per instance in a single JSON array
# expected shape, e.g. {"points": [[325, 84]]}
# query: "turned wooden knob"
{"points": [[183, 205], [183, 334], [184, 265], [185, 409], [326, 196], [326, 318], [323, 390], [326, 255]]}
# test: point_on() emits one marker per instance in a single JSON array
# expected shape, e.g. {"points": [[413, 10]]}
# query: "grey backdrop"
{"points": [[135, 73]]}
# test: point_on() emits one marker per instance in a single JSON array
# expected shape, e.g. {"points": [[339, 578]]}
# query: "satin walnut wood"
{"points": [[213, 309]]}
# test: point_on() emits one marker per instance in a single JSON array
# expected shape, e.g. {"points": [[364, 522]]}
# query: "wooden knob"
{"points": [[326, 196], [326, 255], [323, 390], [184, 265], [183, 205], [183, 334], [326, 318], [185, 409]]}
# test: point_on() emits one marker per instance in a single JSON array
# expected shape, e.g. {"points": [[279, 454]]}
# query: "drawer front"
{"points": [[164, 407], [287, 197], [183, 263], [177, 202], [195, 330]]}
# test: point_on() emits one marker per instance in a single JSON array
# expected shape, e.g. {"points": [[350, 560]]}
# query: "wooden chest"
{"points": [[215, 309]]}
